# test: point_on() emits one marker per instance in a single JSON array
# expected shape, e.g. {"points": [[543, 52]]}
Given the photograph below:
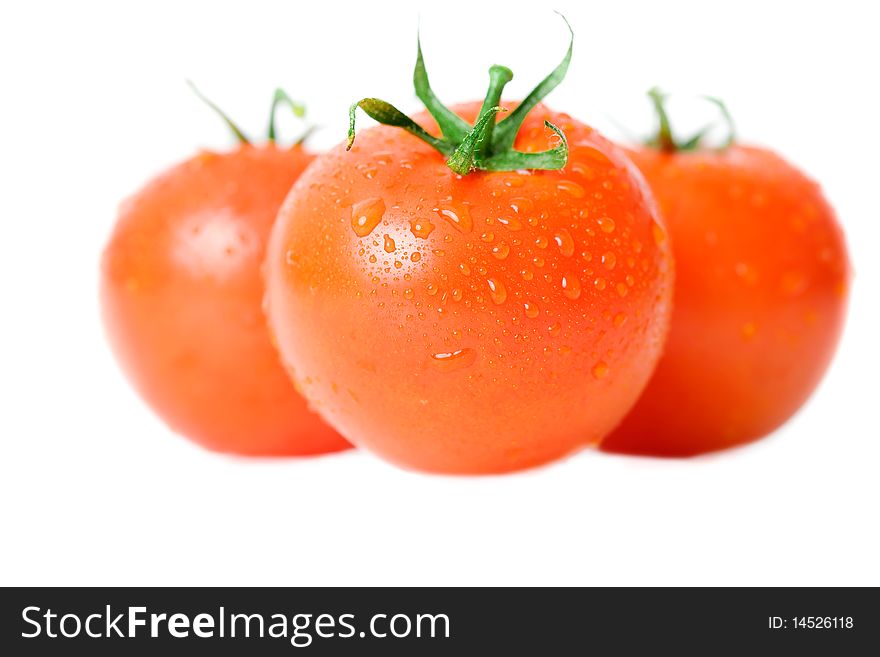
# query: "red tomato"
{"points": [[470, 323], [759, 303], [181, 294]]}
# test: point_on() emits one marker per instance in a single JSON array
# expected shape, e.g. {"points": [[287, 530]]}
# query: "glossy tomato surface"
{"points": [[760, 298], [181, 296], [473, 324]]}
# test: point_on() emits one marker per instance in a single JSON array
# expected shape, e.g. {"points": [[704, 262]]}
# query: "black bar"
{"points": [[538, 621]]}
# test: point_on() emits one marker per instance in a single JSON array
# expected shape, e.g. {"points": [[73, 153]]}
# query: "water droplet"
{"points": [[538, 260], [464, 268], [372, 258], [459, 217], [564, 241], [431, 289], [606, 224], [530, 309], [541, 242], [630, 280], [600, 369], [398, 264], [501, 250], [421, 228], [408, 293], [599, 283], [512, 223], [487, 236], [571, 286], [439, 253], [570, 187], [366, 215], [291, 257], [554, 328], [609, 260], [514, 182], [622, 289], [368, 170], [594, 154], [389, 246], [416, 256], [526, 274], [521, 205], [497, 291], [456, 294], [454, 360]]}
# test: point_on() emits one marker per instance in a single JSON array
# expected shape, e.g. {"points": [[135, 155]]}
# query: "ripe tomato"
{"points": [[181, 294], [472, 323], [759, 303]]}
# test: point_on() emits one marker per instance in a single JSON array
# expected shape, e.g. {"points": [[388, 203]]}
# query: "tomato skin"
{"points": [[759, 303], [396, 291], [181, 296]]}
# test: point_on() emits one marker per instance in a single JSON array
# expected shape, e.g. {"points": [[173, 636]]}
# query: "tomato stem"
{"points": [[242, 138], [727, 118], [280, 96], [486, 145], [665, 141], [499, 76]]}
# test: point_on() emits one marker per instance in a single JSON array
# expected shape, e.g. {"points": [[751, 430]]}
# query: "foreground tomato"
{"points": [[760, 297], [483, 314], [181, 295]]}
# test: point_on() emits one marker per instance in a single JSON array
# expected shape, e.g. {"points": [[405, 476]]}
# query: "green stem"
{"points": [[464, 159], [485, 146], [242, 138], [499, 76], [550, 160], [728, 120], [452, 126], [387, 114], [664, 139], [509, 127], [279, 97], [666, 142]]}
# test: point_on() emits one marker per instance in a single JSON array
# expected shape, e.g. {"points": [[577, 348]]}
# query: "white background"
{"points": [[95, 490]]}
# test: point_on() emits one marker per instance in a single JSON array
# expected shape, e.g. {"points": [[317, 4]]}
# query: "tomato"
{"points": [[473, 322], [181, 295], [759, 303]]}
